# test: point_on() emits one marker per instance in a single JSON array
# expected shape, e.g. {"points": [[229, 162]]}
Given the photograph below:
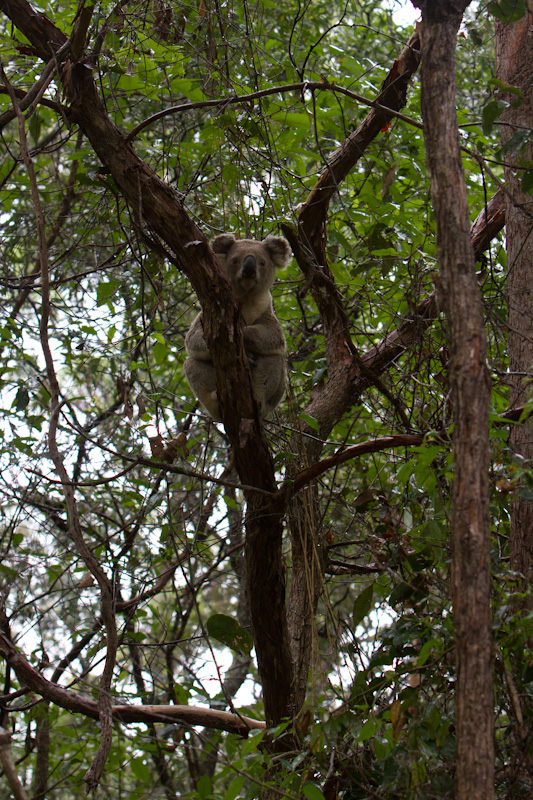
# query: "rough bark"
{"points": [[470, 396], [8, 767], [514, 66], [42, 761]]}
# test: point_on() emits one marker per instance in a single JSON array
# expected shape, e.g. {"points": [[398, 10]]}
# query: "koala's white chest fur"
{"points": [[253, 308]]}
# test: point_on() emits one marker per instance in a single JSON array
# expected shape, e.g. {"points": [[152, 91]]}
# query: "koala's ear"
{"points": [[222, 244], [279, 250]]}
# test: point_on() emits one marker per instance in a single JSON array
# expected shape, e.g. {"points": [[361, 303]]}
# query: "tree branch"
{"points": [[305, 476], [104, 696], [128, 714], [302, 87], [159, 214], [8, 766], [345, 387]]}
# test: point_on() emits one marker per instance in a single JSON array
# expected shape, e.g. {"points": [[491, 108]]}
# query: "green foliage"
{"points": [[381, 718], [508, 10], [227, 630]]}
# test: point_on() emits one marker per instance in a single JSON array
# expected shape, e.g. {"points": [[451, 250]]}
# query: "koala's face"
{"points": [[250, 265], [249, 268]]}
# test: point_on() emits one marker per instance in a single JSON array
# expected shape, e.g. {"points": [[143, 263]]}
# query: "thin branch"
{"points": [[309, 474], [29, 100], [301, 88], [106, 592], [61, 219], [344, 388], [308, 239]]}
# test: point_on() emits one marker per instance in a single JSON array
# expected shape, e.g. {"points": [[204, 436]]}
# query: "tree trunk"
{"points": [[470, 397], [306, 586], [514, 66]]}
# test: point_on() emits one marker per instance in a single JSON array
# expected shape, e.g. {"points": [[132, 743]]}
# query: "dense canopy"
{"points": [[287, 608]]}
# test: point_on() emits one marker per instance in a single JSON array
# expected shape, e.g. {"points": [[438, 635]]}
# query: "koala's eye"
{"points": [[262, 262]]}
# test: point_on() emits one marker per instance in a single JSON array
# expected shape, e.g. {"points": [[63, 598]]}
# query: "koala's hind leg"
{"points": [[201, 377], [269, 380]]}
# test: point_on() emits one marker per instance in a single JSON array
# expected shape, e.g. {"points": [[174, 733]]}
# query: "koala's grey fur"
{"points": [[250, 266]]}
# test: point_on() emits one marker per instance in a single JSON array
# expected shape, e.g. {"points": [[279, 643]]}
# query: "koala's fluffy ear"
{"points": [[278, 249], [222, 244]]}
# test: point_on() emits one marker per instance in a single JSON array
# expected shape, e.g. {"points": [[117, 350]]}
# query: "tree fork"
{"points": [[158, 213]]}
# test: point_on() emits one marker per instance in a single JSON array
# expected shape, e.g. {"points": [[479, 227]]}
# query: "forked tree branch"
{"points": [[159, 214]]}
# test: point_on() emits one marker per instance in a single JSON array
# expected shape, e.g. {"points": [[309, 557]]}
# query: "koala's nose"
{"points": [[249, 267]]}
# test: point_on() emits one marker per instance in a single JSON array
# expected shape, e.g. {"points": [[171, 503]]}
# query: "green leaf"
{"points": [[369, 729], [527, 181], [427, 649], [311, 421], [425, 455], [234, 788], [491, 111], [363, 604], [22, 398], [105, 291], [159, 350], [405, 472], [204, 787], [228, 631], [230, 501], [17, 539], [35, 127], [508, 10], [140, 770], [8, 573], [516, 142], [403, 591], [506, 87], [313, 792]]}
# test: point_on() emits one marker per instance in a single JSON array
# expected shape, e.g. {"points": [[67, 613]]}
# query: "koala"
{"points": [[250, 267]]}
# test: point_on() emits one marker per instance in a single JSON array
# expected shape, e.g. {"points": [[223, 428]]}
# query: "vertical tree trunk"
{"points": [[306, 586], [514, 65], [470, 396]]}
